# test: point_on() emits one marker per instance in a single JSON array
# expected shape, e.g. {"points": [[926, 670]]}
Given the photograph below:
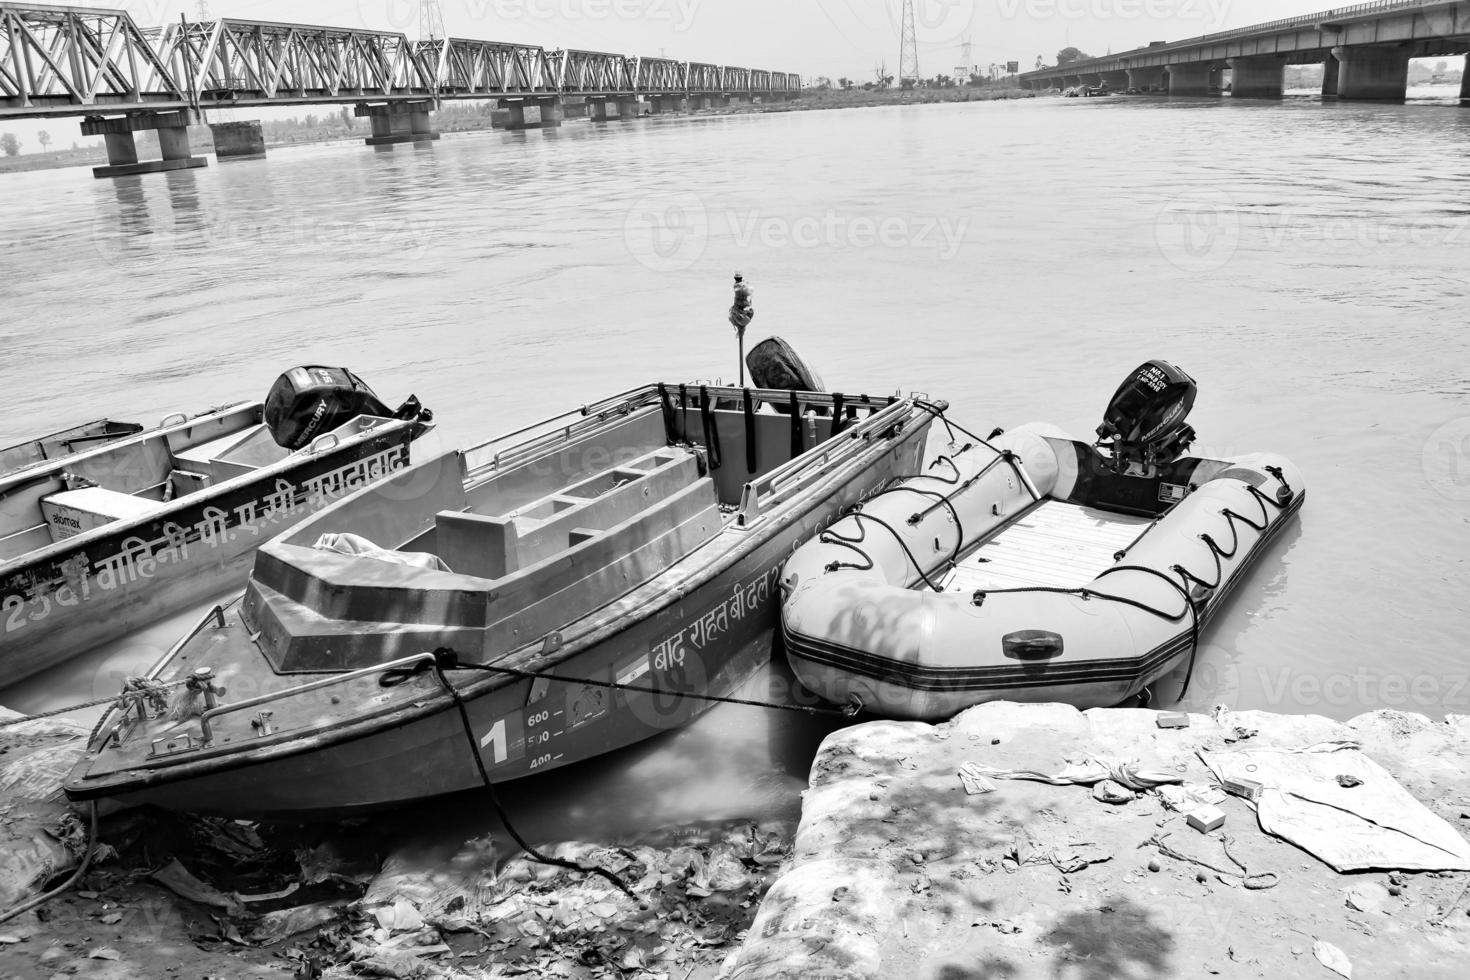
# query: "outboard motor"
{"points": [[774, 365], [308, 401], [1144, 426]]}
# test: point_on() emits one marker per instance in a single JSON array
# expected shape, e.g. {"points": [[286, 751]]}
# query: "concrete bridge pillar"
{"points": [[512, 115], [397, 122], [238, 140], [1372, 72], [1146, 79], [1465, 84], [1190, 80], [1257, 78], [574, 108], [629, 109], [122, 148], [1331, 69], [597, 110]]}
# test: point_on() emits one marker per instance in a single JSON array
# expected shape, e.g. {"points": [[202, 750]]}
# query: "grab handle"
{"points": [[316, 445]]}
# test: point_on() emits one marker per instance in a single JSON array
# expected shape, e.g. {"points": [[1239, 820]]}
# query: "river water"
{"points": [[1307, 263]]}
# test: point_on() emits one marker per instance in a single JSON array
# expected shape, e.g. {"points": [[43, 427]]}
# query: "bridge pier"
{"points": [[629, 109], [1465, 84], [238, 140], [1190, 80], [551, 112], [1331, 70], [1257, 78], [122, 148], [397, 122], [574, 108], [1146, 79], [1371, 72]]}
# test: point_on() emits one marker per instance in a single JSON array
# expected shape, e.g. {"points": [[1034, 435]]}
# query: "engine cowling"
{"points": [[308, 401], [1144, 425]]}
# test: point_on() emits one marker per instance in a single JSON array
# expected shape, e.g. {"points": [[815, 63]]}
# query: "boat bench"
{"points": [[495, 547], [221, 459]]}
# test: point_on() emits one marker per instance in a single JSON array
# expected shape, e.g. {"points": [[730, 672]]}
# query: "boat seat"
{"points": [[473, 544], [495, 547], [233, 455]]}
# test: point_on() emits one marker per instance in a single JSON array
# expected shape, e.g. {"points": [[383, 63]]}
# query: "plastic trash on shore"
{"points": [[1091, 770], [1374, 824]]}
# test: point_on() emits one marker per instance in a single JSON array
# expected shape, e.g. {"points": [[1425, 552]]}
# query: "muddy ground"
{"points": [[173, 896]]}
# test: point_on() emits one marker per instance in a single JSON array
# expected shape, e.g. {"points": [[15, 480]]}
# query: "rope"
{"points": [[1258, 882], [115, 699], [76, 875], [532, 852], [392, 678], [832, 537]]}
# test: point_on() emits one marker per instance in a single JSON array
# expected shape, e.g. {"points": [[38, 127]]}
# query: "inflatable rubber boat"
{"points": [[1029, 566]]}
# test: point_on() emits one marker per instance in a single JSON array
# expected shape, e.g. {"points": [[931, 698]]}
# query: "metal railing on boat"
{"points": [[205, 719]]}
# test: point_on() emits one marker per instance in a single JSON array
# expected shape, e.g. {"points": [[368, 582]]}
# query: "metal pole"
{"points": [[741, 335]]}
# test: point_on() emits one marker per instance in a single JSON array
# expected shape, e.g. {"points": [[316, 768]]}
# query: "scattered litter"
{"points": [[1349, 782], [177, 879], [1368, 897], [401, 916], [104, 953], [1109, 791], [1206, 819], [1247, 789], [276, 926], [1190, 796], [974, 780], [1172, 719], [1332, 958], [1088, 771], [111, 918]]}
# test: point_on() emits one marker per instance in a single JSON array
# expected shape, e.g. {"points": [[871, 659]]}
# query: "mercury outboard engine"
{"points": [[774, 365], [1144, 426], [307, 401]]}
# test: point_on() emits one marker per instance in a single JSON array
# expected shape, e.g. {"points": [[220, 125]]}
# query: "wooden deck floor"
{"points": [[1057, 544]]}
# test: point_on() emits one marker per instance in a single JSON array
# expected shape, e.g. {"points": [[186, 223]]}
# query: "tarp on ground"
{"points": [[1372, 822]]}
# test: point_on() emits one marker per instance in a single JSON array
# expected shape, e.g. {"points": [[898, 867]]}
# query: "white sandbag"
{"points": [[1375, 824], [827, 919]]}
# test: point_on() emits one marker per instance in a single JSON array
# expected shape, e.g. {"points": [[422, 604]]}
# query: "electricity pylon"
{"points": [[908, 59]]}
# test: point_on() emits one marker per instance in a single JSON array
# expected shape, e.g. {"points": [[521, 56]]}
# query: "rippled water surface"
{"points": [[1309, 264]]}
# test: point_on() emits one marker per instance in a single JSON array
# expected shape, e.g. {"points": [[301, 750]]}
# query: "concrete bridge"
{"points": [[98, 64], [1366, 50]]}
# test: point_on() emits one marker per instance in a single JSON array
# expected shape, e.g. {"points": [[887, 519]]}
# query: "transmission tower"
{"points": [[908, 58], [967, 53], [431, 20]]}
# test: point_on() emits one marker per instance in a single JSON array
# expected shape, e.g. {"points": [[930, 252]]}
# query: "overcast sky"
{"points": [[810, 37]]}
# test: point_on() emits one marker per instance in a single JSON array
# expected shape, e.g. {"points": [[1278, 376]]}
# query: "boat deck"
{"points": [[1058, 545]]}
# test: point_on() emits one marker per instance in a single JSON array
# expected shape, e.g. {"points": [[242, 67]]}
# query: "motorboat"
{"points": [[554, 594], [108, 526], [1029, 566]]}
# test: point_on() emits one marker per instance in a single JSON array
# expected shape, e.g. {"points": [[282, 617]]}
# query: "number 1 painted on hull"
{"points": [[495, 739]]}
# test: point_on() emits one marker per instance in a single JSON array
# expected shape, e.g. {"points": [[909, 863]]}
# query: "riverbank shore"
{"points": [[915, 857], [203, 143], [918, 857]]}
